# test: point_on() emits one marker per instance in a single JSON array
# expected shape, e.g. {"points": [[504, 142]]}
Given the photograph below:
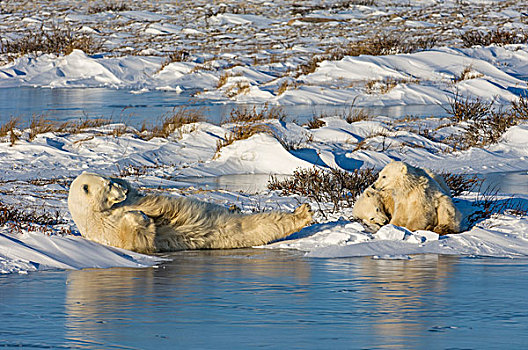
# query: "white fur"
{"points": [[110, 211], [374, 208], [420, 202]]}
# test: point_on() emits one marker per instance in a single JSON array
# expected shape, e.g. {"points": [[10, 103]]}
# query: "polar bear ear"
{"points": [[402, 167], [369, 192]]}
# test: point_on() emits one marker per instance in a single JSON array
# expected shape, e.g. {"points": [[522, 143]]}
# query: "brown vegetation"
{"points": [[467, 73], [497, 37], [248, 122], [483, 123], [335, 186], [460, 183], [60, 41], [108, 6], [179, 117], [19, 220]]}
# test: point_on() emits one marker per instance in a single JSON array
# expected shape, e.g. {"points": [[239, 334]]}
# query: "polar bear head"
{"points": [[391, 176], [95, 193], [370, 209]]}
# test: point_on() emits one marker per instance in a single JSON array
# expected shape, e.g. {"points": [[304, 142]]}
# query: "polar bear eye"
{"points": [[377, 210], [383, 176], [85, 188]]}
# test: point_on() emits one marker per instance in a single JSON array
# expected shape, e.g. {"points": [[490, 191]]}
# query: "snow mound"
{"points": [[34, 251], [406, 79], [505, 237], [259, 154]]}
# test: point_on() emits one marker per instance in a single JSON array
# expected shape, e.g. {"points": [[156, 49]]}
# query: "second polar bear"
{"points": [[374, 208], [419, 202], [109, 211]]}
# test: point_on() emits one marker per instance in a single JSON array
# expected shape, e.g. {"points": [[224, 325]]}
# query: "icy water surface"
{"points": [[272, 299], [134, 109]]}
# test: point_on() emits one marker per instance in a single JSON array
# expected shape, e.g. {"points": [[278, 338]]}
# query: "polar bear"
{"points": [[420, 202], [109, 211], [374, 208]]}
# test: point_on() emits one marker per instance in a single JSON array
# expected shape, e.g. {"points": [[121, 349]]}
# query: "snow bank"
{"points": [[32, 251], [505, 237], [420, 78], [160, 164]]}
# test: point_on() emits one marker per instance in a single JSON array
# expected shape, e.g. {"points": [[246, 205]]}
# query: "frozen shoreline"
{"points": [[273, 53], [158, 164], [422, 78]]}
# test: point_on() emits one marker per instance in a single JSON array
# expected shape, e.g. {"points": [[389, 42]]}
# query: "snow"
{"points": [[258, 52], [421, 78], [32, 251], [504, 237], [190, 151]]}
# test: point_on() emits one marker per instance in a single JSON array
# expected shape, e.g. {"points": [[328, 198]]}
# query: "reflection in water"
{"points": [[249, 292], [272, 299], [400, 288], [123, 106], [177, 293]]}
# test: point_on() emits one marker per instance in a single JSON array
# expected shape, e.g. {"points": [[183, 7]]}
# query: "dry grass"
{"points": [[335, 186], [175, 56], [380, 86], [108, 6], [179, 117], [60, 41], [489, 204], [310, 66], [483, 123], [222, 80], [466, 74], [460, 183], [9, 129], [300, 143], [283, 87], [381, 45], [242, 132], [251, 115], [315, 122], [464, 109], [354, 115], [40, 125], [248, 122], [497, 37], [19, 220], [519, 108], [239, 88]]}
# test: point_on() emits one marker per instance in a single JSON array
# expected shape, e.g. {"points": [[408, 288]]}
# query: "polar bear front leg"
{"points": [[448, 217], [136, 231]]}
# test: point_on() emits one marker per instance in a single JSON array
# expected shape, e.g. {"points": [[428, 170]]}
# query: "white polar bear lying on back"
{"points": [[109, 211], [411, 197]]}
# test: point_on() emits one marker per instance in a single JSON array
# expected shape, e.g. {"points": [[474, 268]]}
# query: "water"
{"points": [[134, 109], [239, 299], [272, 299]]}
